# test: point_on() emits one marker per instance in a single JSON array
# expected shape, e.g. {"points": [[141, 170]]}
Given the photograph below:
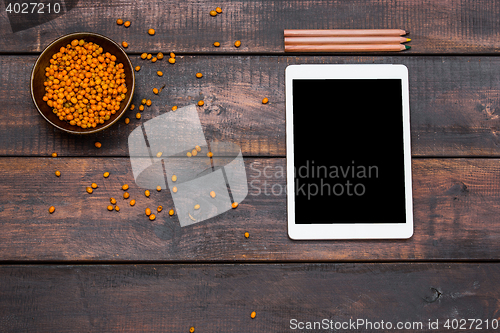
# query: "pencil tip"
{"points": [[407, 47], [408, 39]]}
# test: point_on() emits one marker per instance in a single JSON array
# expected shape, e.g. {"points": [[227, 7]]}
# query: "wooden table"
{"points": [[84, 269]]}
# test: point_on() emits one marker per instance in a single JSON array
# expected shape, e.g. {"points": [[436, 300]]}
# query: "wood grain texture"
{"points": [[220, 298], [456, 209], [465, 26], [454, 104]]}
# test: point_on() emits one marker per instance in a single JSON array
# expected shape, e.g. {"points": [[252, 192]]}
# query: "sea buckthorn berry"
{"points": [[198, 148], [117, 208], [158, 188], [158, 154], [210, 154], [98, 145], [126, 195], [155, 91], [112, 200], [194, 152], [141, 107], [174, 178], [54, 154], [148, 102], [253, 314], [132, 107], [154, 59], [52, 209], [138, 115], [212, 194], [247, 234], [144, 55], [125, 44], [58, 173], [137, 68], [218, 10], [152, 217], [143, 101], [106, 175], [127, 120], [265, 100], [199, 75], [171, 60], [197, 207], [172, 55], [149, 56], [159, 209], [151, 32], [174, 107], [213, 13], [94, 185], [171, 212], [132, 202], [188, 154], [191, 329], [125, 187], [216, 44], [110, 208], [159, 73], [148, 211], [237, 43], [89, 190], [159, 55], [174, 189], [200, 103], [127, 24], [234, 204], [146, 193], [119, 22]]}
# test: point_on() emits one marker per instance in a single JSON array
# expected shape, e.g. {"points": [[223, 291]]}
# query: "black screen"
{"points": [[348, 147]]}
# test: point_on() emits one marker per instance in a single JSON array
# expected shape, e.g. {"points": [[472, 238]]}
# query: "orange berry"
{"points": [[234, 204], [151, 32]]}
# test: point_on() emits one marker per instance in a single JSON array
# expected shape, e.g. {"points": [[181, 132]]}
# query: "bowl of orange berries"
{"points": [[82, 83]]}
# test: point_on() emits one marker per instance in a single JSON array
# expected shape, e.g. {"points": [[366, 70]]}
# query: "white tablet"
{"points": [[348, 152]]}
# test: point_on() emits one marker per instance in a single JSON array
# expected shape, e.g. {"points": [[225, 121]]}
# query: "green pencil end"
{"points": [[407, 47]]}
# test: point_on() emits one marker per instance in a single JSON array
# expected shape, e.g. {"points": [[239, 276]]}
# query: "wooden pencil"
{"points": [[344, 40], [346, 48], [343, 32]]}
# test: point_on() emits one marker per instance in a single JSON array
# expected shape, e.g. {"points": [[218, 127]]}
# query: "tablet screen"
{"points": [[348, 151]]}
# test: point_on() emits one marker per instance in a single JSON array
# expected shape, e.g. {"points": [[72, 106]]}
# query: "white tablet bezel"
{"points": [[348, 230]]}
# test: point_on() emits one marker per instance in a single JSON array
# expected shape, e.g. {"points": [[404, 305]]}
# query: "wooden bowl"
{"points": [[38, 77]]}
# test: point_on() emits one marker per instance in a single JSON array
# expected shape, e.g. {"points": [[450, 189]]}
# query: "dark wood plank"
{"points": [[436, 27], [220, 298], [454, 104], [456, 209]]}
